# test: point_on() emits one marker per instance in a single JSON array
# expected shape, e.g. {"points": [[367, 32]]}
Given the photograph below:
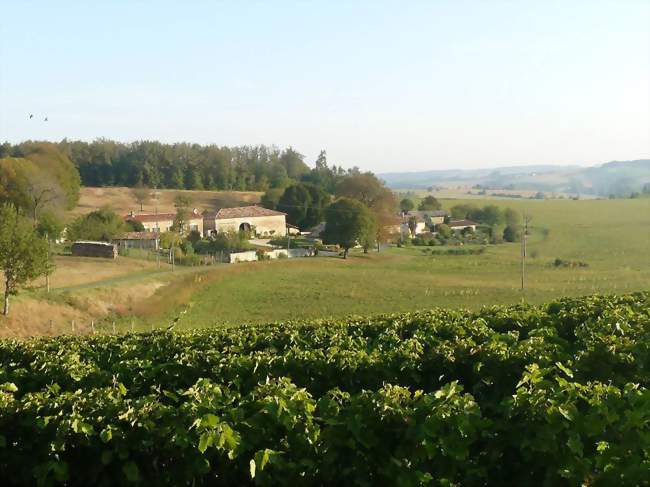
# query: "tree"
{"points": [[491, 215], [461, 212], [170, 239], [413, 225], [141, 194], [365, 188], [316, 210], [23, 254], [511, 234], [348, 222], [101, 225], [29, 187], [511, 217], [370, 191], [406, 205], [295, 202], [444, 230], [49, 226], [194, 236], [429, 203], [294, 163], [43, 191], [271, 198], [182, 203], [133, 226]]}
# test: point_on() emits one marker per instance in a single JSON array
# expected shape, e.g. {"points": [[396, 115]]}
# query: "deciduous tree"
{"points": [[429, 203], [141, 194], [349, 222], [23, 254]]}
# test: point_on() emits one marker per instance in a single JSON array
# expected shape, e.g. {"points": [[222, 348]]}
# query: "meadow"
{"points": [[611, 236]]}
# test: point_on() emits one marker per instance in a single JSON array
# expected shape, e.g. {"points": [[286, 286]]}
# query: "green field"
{"points": [[611, 236]]}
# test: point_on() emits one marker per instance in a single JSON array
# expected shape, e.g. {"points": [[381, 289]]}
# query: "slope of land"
{"points": [[121, 199], [611, 236]]}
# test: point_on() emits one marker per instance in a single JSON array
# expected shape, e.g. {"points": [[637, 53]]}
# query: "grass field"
{"points": [[611, 236]]}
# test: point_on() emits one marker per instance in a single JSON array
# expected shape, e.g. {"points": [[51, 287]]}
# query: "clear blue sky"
{"points": [[388, 86]]}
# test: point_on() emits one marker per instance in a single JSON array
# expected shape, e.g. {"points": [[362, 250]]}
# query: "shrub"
{"points": [[569, 263], [440, 397], [511, 234]]}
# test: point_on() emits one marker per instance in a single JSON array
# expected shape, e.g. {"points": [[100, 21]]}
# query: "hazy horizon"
{"points": [[385, 86]]}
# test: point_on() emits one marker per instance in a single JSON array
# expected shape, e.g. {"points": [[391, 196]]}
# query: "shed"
{"points": [[86, 248]]}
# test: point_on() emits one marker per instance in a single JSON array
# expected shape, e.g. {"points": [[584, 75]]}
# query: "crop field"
{"points": [[555, 394]]}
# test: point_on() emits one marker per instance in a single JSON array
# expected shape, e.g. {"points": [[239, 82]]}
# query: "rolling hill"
{"points": [[617, 177]]}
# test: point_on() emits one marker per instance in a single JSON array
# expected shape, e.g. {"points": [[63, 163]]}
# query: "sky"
{"points": [[386, 86]]}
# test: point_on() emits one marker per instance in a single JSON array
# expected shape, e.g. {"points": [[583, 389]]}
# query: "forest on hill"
{"points": [[189, 166]]}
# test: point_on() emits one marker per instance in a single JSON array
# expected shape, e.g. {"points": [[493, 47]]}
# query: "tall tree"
{"points": [[429, 203], [23, 254], [182, 203], [141, 194], [406, 204], [349, 222], [295, 202]]}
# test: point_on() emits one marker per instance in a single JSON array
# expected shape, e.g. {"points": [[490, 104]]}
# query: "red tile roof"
{"points": [[242, 212], [143, 217], [161, 217]]}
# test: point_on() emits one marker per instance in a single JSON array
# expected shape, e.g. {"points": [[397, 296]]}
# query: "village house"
{"points": [[460, 225], [426, 220], [164, 222], [256, 219]]}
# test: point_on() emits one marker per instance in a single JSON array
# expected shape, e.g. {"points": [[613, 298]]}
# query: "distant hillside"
{"points": [[616, 177]]}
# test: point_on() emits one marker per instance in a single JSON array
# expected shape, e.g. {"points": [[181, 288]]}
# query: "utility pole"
{"points": [[288, 241], [524, 237], [47, 273]]}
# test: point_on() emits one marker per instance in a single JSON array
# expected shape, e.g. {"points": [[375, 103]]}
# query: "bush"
{"points": [[569, 263], [444, 230], [511, 234], [441, 397]]}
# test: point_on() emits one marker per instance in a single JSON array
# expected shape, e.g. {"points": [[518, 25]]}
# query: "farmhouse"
{"points": [[420, 224], [426, 220], [163, 222], [138, 240], [459, 225], [255, 219]]}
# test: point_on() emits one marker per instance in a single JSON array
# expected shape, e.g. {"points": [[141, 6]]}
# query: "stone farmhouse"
{"points": [[426, 220], [460, 225], [163, 222], [256, 219]]}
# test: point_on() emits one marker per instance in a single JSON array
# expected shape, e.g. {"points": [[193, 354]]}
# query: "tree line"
{"points": [[104, 162]]}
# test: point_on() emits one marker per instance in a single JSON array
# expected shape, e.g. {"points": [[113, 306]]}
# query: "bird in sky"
{"points": [[45, 119], [31, 115]]}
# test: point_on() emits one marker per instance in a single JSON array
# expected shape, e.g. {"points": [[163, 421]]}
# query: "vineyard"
{"points": [[555, 394]]}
